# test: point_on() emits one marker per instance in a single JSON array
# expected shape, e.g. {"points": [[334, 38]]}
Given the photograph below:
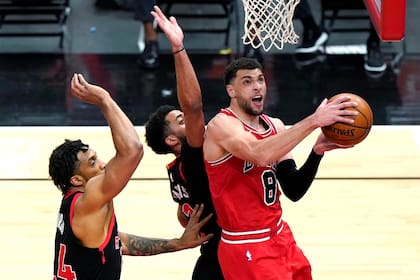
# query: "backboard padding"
{"points": [[388, 17]]}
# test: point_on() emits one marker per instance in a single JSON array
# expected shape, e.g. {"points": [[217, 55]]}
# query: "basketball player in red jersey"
{"points": [[88, 244], [247, 155], [181, 133]]}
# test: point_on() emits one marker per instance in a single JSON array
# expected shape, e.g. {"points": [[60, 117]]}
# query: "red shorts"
{"points": [[270, 256]]}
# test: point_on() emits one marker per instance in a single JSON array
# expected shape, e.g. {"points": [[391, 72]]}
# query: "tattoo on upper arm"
{"points": [[143, 246]]}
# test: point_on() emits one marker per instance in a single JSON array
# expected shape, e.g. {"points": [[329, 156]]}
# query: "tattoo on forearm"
{"points": [[142, 246]]}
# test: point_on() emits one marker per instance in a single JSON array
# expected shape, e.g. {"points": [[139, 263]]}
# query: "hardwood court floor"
{"points": [[359, 219]]}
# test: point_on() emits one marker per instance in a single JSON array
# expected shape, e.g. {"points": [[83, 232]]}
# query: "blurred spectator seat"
{"points": [[34, 18], [195, 12]]}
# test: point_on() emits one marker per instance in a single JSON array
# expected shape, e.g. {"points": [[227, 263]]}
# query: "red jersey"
{"points": [[245, 196]]}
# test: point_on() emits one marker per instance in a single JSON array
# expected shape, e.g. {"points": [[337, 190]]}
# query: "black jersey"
{"points": [[74, 261], [189, 186]]}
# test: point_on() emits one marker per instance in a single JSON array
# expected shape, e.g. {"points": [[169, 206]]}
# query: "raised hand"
{"points": [[323, 145], [170, 27], [191, 236], [87, 92], [335, 111]]}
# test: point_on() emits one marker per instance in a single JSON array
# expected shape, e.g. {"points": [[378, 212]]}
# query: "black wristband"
{"points": [[178, 51]]}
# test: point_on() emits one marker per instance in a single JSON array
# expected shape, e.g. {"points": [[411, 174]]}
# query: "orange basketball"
{"points": [[351, 134]]}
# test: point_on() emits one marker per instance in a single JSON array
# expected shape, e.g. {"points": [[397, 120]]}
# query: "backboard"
{"points": [[388, 17]]}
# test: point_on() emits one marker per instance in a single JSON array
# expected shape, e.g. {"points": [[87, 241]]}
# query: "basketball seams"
{"points": [[351, 134], [364, 117], [358, 136]]}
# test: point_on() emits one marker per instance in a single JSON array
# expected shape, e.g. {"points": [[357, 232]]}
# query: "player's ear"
{"points": [[171, 140], [77, 180], [230, 90]]}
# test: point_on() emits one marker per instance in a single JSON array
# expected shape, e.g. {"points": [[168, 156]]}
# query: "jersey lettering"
{"points": [[117, 242], [64, 271], [269, 183], [247, 166], [187, 209], [179, 192], [60, 223]]}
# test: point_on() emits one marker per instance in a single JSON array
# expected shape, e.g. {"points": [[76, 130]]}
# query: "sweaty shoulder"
{"points": [[219, 131], [220, 122]]}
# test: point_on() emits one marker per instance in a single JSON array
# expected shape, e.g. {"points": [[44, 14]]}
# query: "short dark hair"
{"points": [[157, 129], [239, 64], [63, 163]]}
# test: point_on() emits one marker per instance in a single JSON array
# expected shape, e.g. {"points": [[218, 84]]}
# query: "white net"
{"points": [[269, 23]]}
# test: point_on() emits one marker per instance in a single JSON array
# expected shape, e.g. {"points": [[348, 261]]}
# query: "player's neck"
{"points": [[253, 121]]}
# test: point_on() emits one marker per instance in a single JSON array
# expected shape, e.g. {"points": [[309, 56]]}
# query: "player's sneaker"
{"points": [[374, 60], [312, 41], [250, 52], [149, 59]]}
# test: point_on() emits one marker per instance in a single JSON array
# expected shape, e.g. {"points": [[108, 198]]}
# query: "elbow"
{"points": [[295, 198], [139, 150], [294, 195], [262, 161], [136, 150], [132, 151], [293, 189]]}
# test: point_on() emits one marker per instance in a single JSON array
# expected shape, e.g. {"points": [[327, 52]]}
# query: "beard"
{"points": [[246, 106]]}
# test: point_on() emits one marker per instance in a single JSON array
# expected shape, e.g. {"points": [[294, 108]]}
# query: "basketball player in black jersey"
{"points": [[88, 244], [182, 133]]}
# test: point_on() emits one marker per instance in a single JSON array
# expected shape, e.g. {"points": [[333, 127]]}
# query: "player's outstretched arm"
{"points": [[188, 88], [129, 150], [134, 245], [225, 134]]}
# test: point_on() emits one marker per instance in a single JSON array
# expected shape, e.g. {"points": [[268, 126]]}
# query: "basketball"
{"points": [[351, 134]]}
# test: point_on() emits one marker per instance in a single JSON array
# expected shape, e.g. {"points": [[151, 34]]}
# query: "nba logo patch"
{"points": [[248, 255]]}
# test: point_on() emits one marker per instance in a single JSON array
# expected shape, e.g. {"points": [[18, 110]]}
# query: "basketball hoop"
{"points": [[269, 23]]}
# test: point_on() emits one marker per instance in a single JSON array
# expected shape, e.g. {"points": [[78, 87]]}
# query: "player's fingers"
{"points": [[173, 21], [73, 81], [205, 220], [348, 104], [345, 146], [78, 78], [344, 112], [340, 99], [325, 101], [158, 15], [75, 85], [82, 80], [345, 120], [206, 237], [197, 211], [158, 11], [155, 15]]}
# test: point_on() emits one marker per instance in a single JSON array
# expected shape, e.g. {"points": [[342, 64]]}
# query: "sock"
{"points": [[140, 38]]}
